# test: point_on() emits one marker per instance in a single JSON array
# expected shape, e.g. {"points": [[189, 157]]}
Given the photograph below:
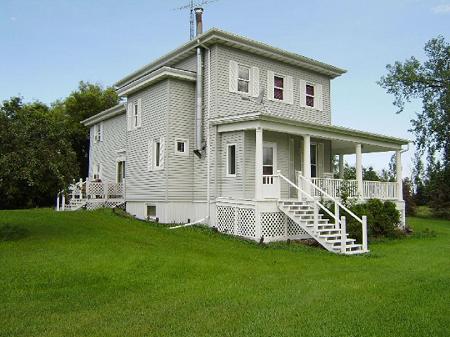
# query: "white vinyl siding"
{"points": [[113, 140], [225, 102]]}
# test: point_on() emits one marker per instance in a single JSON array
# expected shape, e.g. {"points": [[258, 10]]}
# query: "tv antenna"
{"points": [[191, 6]]}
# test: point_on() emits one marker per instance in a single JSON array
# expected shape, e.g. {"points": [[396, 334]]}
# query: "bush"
{"points": [[382, 219]]}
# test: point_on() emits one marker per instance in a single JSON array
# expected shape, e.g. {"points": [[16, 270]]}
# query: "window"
{"points": [[231, 160], [268, 154], [313, 154], [120, 171], [96, 175], [157, 154], [135, 114], [98, 132], [278, 87], [151, 212], [243, 79], [310, 95], [181, 147]]}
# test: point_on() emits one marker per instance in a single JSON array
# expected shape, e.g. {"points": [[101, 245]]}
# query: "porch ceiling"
{"points": [[343, 139]]}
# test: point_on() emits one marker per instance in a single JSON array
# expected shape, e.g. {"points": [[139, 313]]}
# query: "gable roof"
{"points": [[217, 36]]}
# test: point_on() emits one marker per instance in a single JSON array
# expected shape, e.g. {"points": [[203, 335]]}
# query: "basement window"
{"points": [[151, 212]]}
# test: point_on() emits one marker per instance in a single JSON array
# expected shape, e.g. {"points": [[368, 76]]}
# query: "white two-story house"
{"points": [[236, 134]]}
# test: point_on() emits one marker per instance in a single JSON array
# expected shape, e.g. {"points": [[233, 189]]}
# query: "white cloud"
{"points": [[441, 9]]}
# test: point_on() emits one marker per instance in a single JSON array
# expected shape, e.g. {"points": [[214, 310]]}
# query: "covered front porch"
{"points": [[303, 151]]}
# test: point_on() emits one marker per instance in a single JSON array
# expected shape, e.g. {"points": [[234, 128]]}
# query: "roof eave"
{"points": [[215, 35]]}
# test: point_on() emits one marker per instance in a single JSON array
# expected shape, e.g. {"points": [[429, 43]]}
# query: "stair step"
{"points": [[325, 236], [337, 243]]}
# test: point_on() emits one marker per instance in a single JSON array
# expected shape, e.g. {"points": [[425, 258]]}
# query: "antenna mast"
{"points": [[191, 6]]}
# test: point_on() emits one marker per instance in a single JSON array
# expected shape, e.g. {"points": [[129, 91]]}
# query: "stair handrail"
{"points": [[308, 196], [332, 198]]}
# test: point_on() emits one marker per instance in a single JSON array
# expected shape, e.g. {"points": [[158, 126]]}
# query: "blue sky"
{"points": [[47, 46]]}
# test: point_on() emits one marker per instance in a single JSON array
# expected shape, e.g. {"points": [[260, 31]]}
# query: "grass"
{"points": [[98, 274]]}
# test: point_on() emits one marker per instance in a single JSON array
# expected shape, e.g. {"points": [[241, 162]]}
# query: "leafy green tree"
{"points": [[36, 157], [89, 99], [428, 81]]}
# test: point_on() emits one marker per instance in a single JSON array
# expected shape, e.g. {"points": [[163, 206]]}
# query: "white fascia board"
{"points": [[156, 76], [215, 35], [106, 114], [314, 130]]}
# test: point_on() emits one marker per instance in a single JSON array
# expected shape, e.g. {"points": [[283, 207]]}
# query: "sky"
{"points": [[47, 47]]}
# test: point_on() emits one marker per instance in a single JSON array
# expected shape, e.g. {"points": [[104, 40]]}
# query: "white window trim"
{"points": [[118, 160], [98, 132], [235, 161], [249, 81], [161, 154], [97, 170], [283, 88], [135, 114], [186, 147], [314, 85]]}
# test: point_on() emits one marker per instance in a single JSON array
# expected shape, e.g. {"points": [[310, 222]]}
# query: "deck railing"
{"points": [[371, 189]]}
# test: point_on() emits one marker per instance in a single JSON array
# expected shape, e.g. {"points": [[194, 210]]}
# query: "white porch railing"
{"points": [[89, 190], [371, 189], [271, 186]]}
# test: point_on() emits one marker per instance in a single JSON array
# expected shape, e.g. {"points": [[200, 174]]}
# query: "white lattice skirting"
{"points": [[241, 220], [92, 205], [236, 220]]}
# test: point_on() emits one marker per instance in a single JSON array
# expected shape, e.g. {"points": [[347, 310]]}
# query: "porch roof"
{"points": [[343, 138]]}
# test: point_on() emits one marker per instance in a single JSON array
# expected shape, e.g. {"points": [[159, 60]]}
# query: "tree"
{"points": [[88, 100], [430, 82], [36, 157]]}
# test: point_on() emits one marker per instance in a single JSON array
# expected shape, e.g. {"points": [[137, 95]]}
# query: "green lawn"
{"points": [[98, 274]]}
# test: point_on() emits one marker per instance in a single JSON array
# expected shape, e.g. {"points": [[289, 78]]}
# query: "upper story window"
{"points": [[278, 87], [231, 160], [243, 79], [310, 95], [98, 132], [134, 114]]}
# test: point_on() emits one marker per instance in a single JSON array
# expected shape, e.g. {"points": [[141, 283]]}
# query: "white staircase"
{"points": [[305, 213], [327, 234]]}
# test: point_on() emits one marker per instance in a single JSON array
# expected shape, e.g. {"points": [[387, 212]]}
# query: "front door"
{"points": [[270, 185]]}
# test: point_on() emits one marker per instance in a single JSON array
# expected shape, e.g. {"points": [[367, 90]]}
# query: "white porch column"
{"points": [[341, 166], [398, 164], [307, 161], [359, 177], [259, 164]]}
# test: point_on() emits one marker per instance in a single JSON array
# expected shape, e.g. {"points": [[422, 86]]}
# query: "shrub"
{"points": [[382, 219]]}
